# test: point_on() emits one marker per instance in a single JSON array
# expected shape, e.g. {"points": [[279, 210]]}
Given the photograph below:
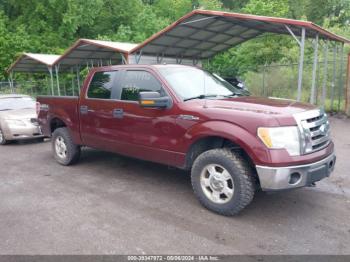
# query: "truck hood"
{"points": [[18, 114], [260, 105]]}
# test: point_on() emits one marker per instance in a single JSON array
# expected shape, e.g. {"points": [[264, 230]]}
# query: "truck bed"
{"points": [[62, 107]]}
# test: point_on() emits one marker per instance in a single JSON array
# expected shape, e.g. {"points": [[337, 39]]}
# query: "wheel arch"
{"points": [[209, 142], [58, 122], [219, 134], [55, 123]]}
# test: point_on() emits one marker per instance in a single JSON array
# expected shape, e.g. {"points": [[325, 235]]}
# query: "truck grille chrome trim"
{"points": [[314, 130]]}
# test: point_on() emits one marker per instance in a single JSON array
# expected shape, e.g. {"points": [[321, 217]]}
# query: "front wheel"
{"points": [[65, 151], [223, 181]]}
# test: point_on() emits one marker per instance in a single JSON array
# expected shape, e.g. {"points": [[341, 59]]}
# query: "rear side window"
{"points": [[101, 85], [135, 82]]}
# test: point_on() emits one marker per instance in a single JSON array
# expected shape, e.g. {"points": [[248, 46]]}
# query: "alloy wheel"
{"points": [[217, 184], [61, 147]]}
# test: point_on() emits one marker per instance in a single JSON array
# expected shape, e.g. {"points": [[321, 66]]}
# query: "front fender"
{"points": [[236, 134]]}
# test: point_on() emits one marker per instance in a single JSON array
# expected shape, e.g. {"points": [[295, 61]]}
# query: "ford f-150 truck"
{"points": [[185, 117]]}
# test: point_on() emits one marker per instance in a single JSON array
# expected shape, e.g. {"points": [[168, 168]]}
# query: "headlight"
{"points": [[281, 138], [15, 122]]}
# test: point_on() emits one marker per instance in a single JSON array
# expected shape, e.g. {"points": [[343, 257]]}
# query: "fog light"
{"points": [[294, 178], [331, 164]]}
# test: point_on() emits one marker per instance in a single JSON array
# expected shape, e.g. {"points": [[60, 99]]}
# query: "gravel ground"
{"points": [[108, 204]]}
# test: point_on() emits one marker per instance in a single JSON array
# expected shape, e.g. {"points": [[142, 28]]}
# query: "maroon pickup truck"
{"points": [[185, 117]]}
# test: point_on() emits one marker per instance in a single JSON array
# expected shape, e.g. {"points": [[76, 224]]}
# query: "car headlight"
{"points": [[15, 122], [281, 138]]}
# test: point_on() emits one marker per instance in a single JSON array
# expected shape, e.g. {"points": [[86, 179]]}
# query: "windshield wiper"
{"points": [[6, 109], [200, 97]]}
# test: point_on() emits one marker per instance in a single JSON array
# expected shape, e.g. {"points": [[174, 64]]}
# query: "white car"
{"points": [[18, 118]]}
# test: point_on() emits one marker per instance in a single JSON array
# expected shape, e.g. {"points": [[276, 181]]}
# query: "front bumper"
{"points": [[279, 178]]}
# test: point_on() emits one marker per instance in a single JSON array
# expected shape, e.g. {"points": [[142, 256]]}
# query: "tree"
{"points": [[264, 50], [50, 26]]}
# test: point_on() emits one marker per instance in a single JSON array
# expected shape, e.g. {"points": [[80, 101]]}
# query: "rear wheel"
{"points": [[223, 181], [65, 151], [3, 140]]}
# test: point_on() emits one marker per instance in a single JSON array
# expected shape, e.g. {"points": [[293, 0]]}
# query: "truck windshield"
{"points": [[193, 83], [15, 103]]}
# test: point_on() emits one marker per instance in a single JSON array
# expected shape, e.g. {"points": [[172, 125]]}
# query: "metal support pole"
{"points": [[78, 78], [334, 74], [124, 62], [264, 73], [10, 80], [51, 77], [301, 63], [10, 85], [324, 86], [72, 73], [314, 71], [58, 81], [341, 78], [347, 90], [47, 84], [138, 57]]}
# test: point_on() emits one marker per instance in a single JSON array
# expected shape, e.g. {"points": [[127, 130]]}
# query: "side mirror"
{"points": [[153, 100]]}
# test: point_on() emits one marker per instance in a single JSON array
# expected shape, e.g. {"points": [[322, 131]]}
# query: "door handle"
{"points": [[118, 113], [85, 110]]}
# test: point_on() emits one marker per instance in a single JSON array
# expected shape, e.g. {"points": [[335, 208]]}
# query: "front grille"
{"points": [[314, 129]]}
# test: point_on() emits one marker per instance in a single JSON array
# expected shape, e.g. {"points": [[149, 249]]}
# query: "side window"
{"points": [[135, 82], [101, 85]]}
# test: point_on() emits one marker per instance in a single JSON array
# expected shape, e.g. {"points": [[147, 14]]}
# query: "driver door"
{"points": [[147, 133]]}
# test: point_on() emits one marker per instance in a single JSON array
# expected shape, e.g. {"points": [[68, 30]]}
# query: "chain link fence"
{"points": [[276, 80], [36, 87], [281, 80]]}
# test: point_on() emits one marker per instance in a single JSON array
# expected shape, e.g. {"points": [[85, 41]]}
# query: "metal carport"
{"points": [[83, 53], [89, 53], [202, 34], [33, 63], [95, 52]]}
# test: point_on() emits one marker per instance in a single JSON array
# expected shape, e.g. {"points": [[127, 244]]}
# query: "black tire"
{"points": [[71, 152], [3, 140], [242, 176]]}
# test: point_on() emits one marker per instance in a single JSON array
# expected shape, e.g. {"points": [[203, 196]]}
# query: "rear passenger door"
{"points": [[96, 111]]}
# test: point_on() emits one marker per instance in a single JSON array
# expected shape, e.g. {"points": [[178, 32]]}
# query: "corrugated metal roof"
{"points": [[120, 46], [43, 58], [83, 51], [199, 34], [203, 33], [96, 52], [29, 62]]}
